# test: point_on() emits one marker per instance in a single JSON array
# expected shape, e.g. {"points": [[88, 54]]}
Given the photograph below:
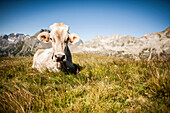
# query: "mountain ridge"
{"points": [[150, 46]]}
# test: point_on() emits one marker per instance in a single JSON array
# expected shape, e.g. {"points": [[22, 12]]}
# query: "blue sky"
{"points": [[87, 18]]}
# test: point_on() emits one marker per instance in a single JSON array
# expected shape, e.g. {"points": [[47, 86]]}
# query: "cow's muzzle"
{"points": [[59, 57]]}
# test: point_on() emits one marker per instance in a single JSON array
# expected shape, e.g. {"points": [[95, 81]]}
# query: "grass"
{"points": [[105, 84]]}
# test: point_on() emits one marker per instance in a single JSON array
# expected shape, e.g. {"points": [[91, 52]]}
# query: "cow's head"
{"points": [[59, 37]]}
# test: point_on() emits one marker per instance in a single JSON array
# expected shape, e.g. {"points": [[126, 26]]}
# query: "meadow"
{"points": [[104, 84]]}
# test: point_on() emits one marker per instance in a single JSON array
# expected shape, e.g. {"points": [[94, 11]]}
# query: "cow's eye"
{"points": [[50, 38], [65, 41], [68, 39]]}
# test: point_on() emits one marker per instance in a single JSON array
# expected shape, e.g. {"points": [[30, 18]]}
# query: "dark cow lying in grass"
{"points": [[57, 58]]}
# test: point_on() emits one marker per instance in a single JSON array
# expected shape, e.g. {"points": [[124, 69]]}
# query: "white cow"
{"points": [[58, 57]]}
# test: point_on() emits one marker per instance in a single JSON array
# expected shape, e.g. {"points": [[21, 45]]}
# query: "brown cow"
{"points": [[58, 57]]}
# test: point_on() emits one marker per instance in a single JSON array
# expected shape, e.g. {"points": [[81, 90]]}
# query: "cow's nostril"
{"points": [[55, 56], [63, 57]]}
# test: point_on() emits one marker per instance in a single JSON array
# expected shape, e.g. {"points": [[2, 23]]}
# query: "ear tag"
{"points": [[47, 39], [74, 38], [71, 40]]}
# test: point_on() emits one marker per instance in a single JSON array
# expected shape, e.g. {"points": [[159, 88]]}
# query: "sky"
{"points": [[87, 18]]}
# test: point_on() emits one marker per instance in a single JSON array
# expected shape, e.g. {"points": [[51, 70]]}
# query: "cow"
{"points": [[58, 58]]}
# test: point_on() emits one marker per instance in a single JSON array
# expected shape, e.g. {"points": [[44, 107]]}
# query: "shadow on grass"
{"points": [[75, 70]]}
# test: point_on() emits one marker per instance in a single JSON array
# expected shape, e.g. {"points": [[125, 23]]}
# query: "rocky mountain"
{"points": [[19, 45], [151, 46], [154, 45], [24, 46], [31, 45], [8, 42]]}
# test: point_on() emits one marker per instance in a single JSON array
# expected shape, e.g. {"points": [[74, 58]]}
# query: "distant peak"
{"points": [[167, 29]]}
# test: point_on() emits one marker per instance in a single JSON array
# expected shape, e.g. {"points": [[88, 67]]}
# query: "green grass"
{"points": [[105, 84]]}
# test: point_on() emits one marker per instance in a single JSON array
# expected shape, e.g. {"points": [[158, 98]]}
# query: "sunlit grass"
{"points": [[105, 84]]}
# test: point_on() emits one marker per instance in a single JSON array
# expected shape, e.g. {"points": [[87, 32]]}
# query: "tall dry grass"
{"points": [[105, 84]]}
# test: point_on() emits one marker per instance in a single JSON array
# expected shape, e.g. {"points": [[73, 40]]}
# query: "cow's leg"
{"points": [[34, 62], [35, 57]]}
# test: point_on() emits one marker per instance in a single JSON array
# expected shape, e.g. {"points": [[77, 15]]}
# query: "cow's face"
{"points": [[59, 37]]}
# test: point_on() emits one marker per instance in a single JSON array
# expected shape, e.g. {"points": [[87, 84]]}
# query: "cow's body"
{"points": [[58, 57], [42, 60]]}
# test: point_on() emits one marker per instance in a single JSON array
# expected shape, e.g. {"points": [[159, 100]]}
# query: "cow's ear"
{"points": [[44, 36], [73, 38]]}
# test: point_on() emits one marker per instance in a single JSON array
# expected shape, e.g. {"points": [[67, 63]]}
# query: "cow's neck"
{"points": [[68, 58]]}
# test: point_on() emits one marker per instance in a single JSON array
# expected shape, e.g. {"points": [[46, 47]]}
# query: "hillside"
{"points": [[151, 46], [105, 84]]}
